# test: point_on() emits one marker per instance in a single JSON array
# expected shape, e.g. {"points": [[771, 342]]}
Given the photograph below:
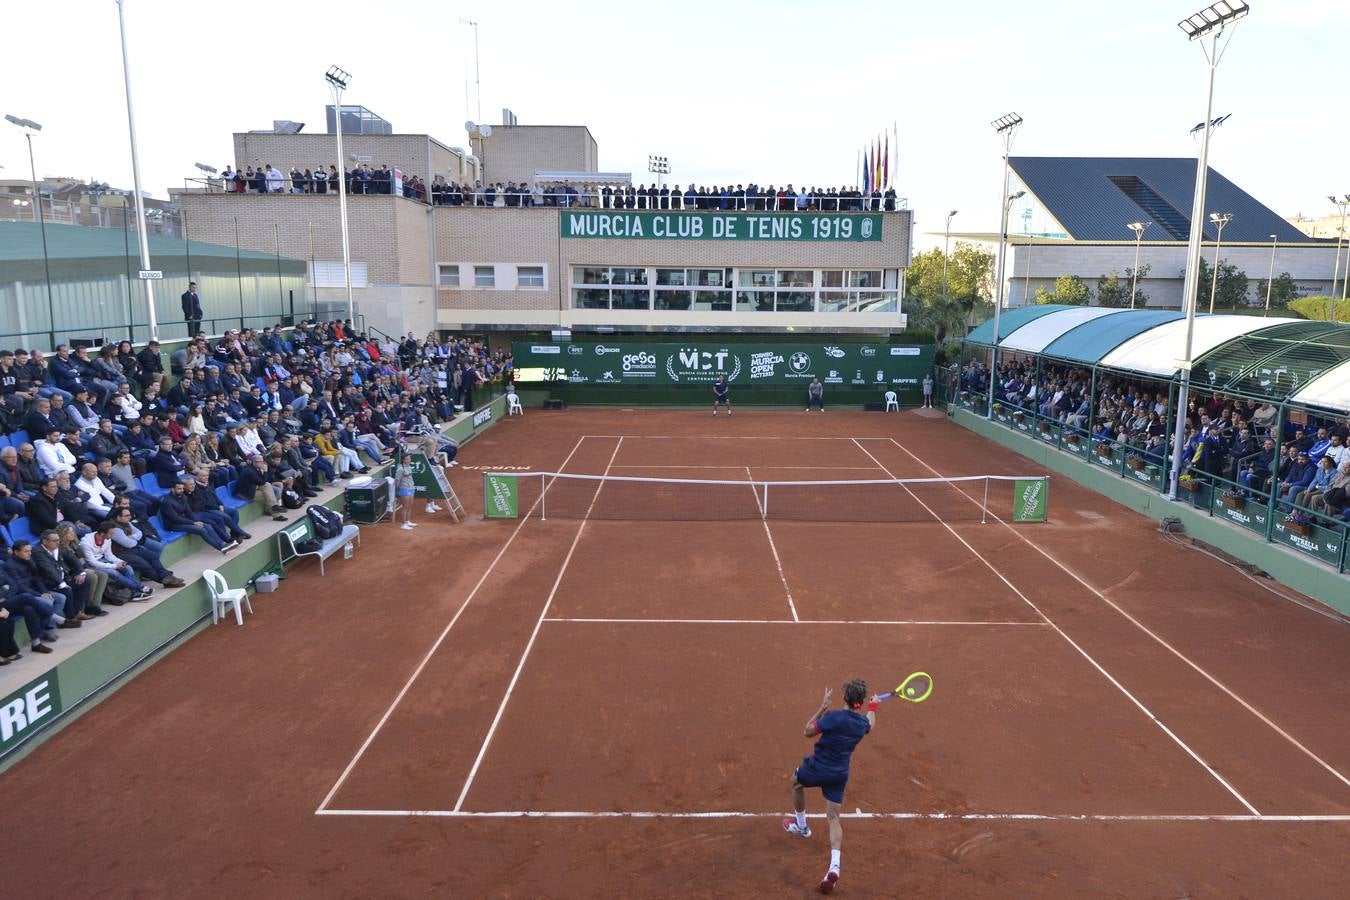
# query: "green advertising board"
{"points": [[720, 226], [426, 484], [27, 709], [700, 362], [501, 497], [1030, 499]]}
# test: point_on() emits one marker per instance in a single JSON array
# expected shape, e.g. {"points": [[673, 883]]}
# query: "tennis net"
{"points": [[553, 495]]}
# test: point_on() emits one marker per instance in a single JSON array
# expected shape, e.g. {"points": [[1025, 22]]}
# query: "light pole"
{"points": [[946, 243], [660, 167], [1005, 126], [1340, 236], [1138, 228], [151, 318], [1209, 23], [29, 127], [1270, 276], [1345, 281], [1219, 220], [337, 80], [207, 172]]}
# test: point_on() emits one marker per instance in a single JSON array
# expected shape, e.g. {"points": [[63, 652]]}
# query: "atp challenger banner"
{"points": [[1029, 500], [700, 362], [721, 226]]}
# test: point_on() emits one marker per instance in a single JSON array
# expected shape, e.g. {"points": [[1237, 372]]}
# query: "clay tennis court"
{"points": [[595, 706]]}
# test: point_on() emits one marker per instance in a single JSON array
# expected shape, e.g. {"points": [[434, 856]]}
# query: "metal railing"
{"points": [[1260, 512]]}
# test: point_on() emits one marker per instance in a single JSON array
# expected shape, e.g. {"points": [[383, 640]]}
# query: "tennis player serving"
{"points": [[837, 734]]}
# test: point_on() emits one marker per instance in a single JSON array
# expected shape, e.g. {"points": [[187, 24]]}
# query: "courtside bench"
{"points": [[303, 530]]}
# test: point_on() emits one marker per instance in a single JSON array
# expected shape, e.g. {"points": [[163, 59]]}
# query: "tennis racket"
{"points": [[916, 688]]}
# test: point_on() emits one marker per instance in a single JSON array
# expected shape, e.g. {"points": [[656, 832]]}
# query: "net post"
{"points": [[1046, 481], [984, 507], [485, 495], [543, 504], [764, 513]]}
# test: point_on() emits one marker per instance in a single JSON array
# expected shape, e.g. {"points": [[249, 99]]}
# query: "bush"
{"points": [[1319, 308]]}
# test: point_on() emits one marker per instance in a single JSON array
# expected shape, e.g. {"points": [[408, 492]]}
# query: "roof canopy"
{"points": [[1267, 358]]}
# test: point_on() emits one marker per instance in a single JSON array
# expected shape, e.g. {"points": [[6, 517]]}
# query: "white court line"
{"points": [[1041, 624], [506, 698], [782, 576], [1072, 643], [425, 659], [725, 437], [812, 468], [907, 816], [1150, 632]]}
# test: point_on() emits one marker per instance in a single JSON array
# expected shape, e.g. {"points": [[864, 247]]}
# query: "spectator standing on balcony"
{"points": [[320, 180], [276, 182], [298, 181], [192, 314]]}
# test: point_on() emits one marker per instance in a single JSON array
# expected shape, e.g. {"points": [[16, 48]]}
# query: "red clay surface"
{"points": [[202, 776]]}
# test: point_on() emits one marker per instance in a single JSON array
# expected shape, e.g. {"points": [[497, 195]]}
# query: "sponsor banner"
{"points": [[1323, 543], [501, 497], [720, 226], [483, 416], [701, 362], [1252, 516], [428, 479], [27, 709], [1029, 500]]}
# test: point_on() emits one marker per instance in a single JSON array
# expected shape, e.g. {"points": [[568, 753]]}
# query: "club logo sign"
{"points": [[692, 364], [866, 229]]}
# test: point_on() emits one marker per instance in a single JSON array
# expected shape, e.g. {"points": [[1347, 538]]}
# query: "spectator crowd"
{"points": [[104, 461], [1230, 442]]}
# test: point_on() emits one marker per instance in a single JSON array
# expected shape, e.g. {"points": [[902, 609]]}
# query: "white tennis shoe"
{"points": [[791, 827]]}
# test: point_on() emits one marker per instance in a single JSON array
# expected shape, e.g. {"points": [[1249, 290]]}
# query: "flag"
{"points": [[866, 175], [886, 164]]}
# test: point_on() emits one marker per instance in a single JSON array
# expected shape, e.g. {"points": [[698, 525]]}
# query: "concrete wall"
{"points": [[415, 154], [1310, 265]]}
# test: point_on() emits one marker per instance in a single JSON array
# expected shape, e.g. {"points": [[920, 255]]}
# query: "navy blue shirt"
{"points": [[720, 388], [840, 731]]}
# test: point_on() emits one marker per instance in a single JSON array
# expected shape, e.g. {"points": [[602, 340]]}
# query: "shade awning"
{"points": [[1034, 336], [1159, 350], [1010, 321], [1089, 342], [1330, 390]]}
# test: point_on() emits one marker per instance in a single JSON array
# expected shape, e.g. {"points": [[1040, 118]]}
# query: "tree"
{"points": [[1283, 288], [1114, 290], [1233, 286], [969, 275], [1069, 289], [1319, 308]]}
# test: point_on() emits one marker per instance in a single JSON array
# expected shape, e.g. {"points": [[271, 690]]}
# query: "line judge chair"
{"points": [[513, 407], [223, 597], [892, 402]]}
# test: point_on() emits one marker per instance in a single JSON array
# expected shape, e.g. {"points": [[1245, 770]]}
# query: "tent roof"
{"points": [[1092, 340], [1158, 351], [1331, 390], [1010, 321], [1275, 362], [1036, 334]]}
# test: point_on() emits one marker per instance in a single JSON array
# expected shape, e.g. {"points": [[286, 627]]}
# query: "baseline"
{"points": [[909, 816], [365, 745], [1087, 656], [1148, 631]]}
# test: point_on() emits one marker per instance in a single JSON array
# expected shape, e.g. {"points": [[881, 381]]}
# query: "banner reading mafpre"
{"points": [[721, 226], [699, 362]]}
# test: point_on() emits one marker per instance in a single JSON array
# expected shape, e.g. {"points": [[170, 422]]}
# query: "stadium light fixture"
{"points": [[1205, 26], [29, 128], [1005, 126], [1138, 228], [338, 79], [1214, 123], [209, 170], [946, 243], [1219, 220]]}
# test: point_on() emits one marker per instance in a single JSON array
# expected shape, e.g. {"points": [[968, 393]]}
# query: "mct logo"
{"points": [[601, 350]]}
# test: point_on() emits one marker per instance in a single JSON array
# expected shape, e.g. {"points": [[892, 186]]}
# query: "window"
{"points": [[484, 276], [796, 278], [329, 274], [530, 277], [448, 276]]}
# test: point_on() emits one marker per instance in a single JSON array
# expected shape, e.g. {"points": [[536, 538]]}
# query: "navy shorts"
{"points": [[831, 783], [725, 399]]}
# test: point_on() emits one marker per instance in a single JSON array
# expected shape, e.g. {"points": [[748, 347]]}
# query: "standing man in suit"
{"points": [[192, 309]]}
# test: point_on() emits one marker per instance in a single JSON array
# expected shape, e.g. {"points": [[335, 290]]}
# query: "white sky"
{"points": [[732, 92]]}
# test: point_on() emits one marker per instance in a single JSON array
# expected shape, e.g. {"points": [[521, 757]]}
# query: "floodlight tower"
{"points": [[337, 80], [1138, 228], [1004, 126]]}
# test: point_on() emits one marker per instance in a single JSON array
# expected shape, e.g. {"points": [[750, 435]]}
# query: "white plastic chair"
{"points": [[892, 402], [224, 596], [513, 407]]}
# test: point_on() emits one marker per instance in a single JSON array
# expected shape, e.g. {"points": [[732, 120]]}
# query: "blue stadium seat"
{"points": [[19, 437], [151, 485], [4, 441], [6, 536], [225, 493], [164, 531], [20, 530]]}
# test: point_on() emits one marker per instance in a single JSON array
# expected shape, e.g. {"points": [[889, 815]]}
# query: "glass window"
{"points": [[892, 279], [530, 277], [709, 278], [837, 301], [630, 300], [628, 276], [449, 276], [484, 276], [589, 275], [674, 299], [796, 301], [756, 278], [716, 301], [796, 278], [754, 301], [832, 278], [590, 298], [670, 276], [864, 279]]}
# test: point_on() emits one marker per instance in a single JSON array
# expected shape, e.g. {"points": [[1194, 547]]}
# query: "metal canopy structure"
{"points": [[1277, 359]]}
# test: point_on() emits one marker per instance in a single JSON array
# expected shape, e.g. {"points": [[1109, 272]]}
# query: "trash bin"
{"points": [[367, 499]]}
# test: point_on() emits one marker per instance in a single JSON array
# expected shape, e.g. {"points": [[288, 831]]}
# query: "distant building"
{"points": [[1075, 215], [356, 120], [519, 152]]}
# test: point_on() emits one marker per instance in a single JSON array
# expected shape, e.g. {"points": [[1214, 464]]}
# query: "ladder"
{"points": [[452, 504]]}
